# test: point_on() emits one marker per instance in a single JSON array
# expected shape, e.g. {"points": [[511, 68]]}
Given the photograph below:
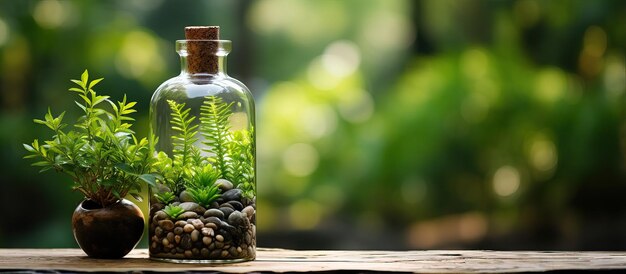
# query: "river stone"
{"points": [[166, 225], [160, 215], [188, 228], [211, 225], [204, 252], [195, 235], [233, 194], [185, 197], [178, 230], [249, 210], [224, 185], [185, 241], [188, 215], [207, 231], [175, 204], [236, 205], [180, 223], [177, 239], [158, 231], [213, 220], [227, 211], [206, 240], [238, 219], [197, 223], [191, 206], [219, 238], [213, 212], [170, 237]]}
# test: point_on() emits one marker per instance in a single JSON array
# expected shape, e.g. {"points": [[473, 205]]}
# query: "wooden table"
{"points": [[281, 260]]}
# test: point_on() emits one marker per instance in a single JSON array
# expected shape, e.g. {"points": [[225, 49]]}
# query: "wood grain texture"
{"points": [[280, 260]]}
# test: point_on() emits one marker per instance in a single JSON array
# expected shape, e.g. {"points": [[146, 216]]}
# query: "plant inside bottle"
{"points": [[203, 206]]}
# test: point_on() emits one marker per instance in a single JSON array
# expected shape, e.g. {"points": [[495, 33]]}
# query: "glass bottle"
{"points": [[203, 207]]}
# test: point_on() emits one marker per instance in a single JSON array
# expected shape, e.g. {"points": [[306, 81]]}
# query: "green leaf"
{"points": [[81, 84], [151, 179], [94, 82], [84, 77]]}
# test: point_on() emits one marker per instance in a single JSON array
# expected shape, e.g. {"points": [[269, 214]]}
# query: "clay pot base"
{"points": [[110, 232]]}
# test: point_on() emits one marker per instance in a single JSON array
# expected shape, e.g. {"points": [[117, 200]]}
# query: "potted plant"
{"points": [[105, 161]]}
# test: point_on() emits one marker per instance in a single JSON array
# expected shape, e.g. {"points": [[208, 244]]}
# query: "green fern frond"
{"points": [[214, 114], [241, 161], [183, 142]]}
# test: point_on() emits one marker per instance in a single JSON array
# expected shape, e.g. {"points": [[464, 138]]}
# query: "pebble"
{"points": [[224, 253], [160, 215], [195, 235], [178, 230], [213, 212], [206, 240], [185, 197], [180, 223], [249, 210], [188, 228], [195, 251], [248, 237], [215, 254], [177, 239], [238, 219], [219, 245], [188, 253], [165, 242], [211, 225], [191, 206], [227, 205], [185, 242], [170, 237], [213, 220], [219, 238], [204, 252], [233, 251], [224, 184], [227, 211], [236, 205], [158, 231], [207, 231], [188, 215], [233, 194], [197, 224], [166, 225], [175, 204]]}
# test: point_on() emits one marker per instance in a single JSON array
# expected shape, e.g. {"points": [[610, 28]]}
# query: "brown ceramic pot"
{"points": [[107, 232]]}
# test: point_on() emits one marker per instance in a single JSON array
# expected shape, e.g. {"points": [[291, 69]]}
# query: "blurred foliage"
{"points": [[381, 124]]}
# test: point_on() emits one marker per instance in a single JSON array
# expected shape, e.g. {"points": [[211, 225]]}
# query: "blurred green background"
{"points": [[381, 124]]}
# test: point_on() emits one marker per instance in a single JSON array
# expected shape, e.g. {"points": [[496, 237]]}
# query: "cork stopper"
{"points": [[201, 54]]}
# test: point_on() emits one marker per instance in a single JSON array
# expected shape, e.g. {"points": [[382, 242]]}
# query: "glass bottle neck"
{"points": [[203, 57], [215, 71]]}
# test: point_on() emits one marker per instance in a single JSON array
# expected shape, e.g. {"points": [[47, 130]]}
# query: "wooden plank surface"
{"points": [[281, 260]]}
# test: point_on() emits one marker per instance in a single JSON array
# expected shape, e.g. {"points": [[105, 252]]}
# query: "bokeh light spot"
{"points": [[305, 214], [475, 63], [50, 14], [506, 181], [543, 154], [341, 58], [550, 85], [300, 159], [358, 107], [139, 55]]}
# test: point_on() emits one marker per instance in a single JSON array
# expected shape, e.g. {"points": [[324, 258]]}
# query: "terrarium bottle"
{"points": [[203, 207]]}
